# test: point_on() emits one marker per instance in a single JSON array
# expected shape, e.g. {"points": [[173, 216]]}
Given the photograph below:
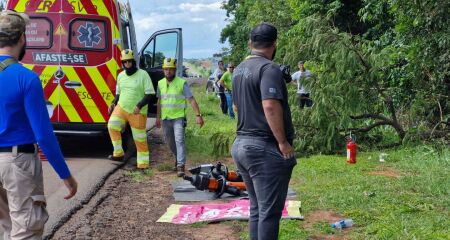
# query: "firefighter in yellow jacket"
{"points": [[133, 91], [172, 94]]}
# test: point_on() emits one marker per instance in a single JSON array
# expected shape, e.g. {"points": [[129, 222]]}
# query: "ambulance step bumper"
{"points": [[79, 133]]}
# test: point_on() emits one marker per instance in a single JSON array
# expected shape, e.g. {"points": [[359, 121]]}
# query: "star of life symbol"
{"points": [[89, 34]]}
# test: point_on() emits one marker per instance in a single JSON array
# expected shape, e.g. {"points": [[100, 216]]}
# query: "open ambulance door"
{"points": [[132, 30], [162, 44]]}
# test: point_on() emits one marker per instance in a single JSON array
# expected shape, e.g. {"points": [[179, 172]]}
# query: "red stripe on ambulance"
{"points": [[89, 7], [108, 77], [112, 11], [76, 102], [13, 3], [32, 6], [61, 114], [61, 4], [93, 91]]}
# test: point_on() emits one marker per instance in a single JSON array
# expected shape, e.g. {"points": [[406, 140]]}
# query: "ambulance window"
{"points": [[147, 58], [39, 33], [88, 35], [165, 47]]}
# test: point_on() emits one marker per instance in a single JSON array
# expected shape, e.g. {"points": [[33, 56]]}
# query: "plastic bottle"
{"points": [[382, 157], [345, 223]]}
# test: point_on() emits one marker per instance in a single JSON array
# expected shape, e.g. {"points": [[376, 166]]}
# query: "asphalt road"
{"points": [[87, 160]]}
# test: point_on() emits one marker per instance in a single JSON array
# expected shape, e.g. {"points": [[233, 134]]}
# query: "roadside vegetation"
{"points": [[382, 67], [139, 175], [405, 197], [200, 141], [382, 73], [198, 67]]}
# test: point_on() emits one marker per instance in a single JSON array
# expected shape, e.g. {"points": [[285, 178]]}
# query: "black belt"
{"points": [[25, 148]]}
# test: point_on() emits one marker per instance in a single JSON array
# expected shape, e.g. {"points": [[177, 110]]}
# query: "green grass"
{"points": [[163, 167], [414, 205], [198, 140], [139, 175]]}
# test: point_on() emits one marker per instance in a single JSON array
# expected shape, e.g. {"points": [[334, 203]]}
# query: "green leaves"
{"points": [[387, 58], [221, 143]]}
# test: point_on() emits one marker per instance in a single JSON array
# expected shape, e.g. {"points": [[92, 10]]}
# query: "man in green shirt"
{"points": [[226, 82], [133, 91]]}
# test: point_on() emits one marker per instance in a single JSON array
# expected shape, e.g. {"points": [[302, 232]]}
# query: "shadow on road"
{"points": [[85, 147]]}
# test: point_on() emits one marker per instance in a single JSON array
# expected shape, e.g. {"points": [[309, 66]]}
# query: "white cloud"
{"points": [[201, 21], [200, 7], [200, 53], [197, 19], [146, 24]]}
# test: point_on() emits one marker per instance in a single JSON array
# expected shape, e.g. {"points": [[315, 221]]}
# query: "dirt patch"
{"points": [[327, 237], [328, 217], [387, 172], [321, 216], [127, 209]]}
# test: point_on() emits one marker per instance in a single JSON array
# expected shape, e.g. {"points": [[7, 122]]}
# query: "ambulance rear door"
{"points": [[44, 35], [70, 47]]}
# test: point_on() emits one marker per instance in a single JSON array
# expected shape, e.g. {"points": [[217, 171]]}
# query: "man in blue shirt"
{"points": [[24, 121]]}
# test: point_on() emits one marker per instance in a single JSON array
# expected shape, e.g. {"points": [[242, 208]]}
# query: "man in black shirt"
{"points": [[263, 149]]}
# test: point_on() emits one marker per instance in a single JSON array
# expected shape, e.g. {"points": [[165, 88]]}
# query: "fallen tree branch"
{"points": [[370, 127], [371, 115], [384, 121]]}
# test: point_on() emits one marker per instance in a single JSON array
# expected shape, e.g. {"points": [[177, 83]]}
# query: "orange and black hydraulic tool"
{"points": [[216, 178]]}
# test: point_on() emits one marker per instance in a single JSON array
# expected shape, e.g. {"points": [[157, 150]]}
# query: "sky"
{"points": [[201, 21]]}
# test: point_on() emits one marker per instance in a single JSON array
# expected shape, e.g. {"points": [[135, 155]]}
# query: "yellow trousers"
{"points": [[117, 122]]}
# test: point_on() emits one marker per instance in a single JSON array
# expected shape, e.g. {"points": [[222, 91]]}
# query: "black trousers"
{"points": [[223, 103], [304, 100]]}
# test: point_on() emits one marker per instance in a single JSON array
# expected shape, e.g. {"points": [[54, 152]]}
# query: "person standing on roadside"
{"points": [[226, 82], [172, 94], [133, 90], [220, 89], [303, 96], [24, 121], [263, 149]]}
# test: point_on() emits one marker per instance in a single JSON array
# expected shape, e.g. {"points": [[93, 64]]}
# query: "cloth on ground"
{"points": [[215, 212]]}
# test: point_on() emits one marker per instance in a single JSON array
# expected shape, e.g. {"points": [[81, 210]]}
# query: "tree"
{"points": [[381, 66]]}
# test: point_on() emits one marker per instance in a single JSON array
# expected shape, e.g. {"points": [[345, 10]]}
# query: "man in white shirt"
{"points": [[303, 96]]}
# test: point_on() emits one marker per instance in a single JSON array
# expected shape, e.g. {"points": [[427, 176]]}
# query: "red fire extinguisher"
{"points": [[351, 150]]}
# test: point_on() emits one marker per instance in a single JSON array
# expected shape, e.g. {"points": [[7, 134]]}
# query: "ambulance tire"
{"points": [[128, 144]]}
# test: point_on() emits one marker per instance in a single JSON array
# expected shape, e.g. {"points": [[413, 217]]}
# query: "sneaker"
{"points": [[180, 171], [117, 159]]}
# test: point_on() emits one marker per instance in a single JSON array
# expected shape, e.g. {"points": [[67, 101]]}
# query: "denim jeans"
{"points": [[174, 135], [230, 104], [266, 175]]}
